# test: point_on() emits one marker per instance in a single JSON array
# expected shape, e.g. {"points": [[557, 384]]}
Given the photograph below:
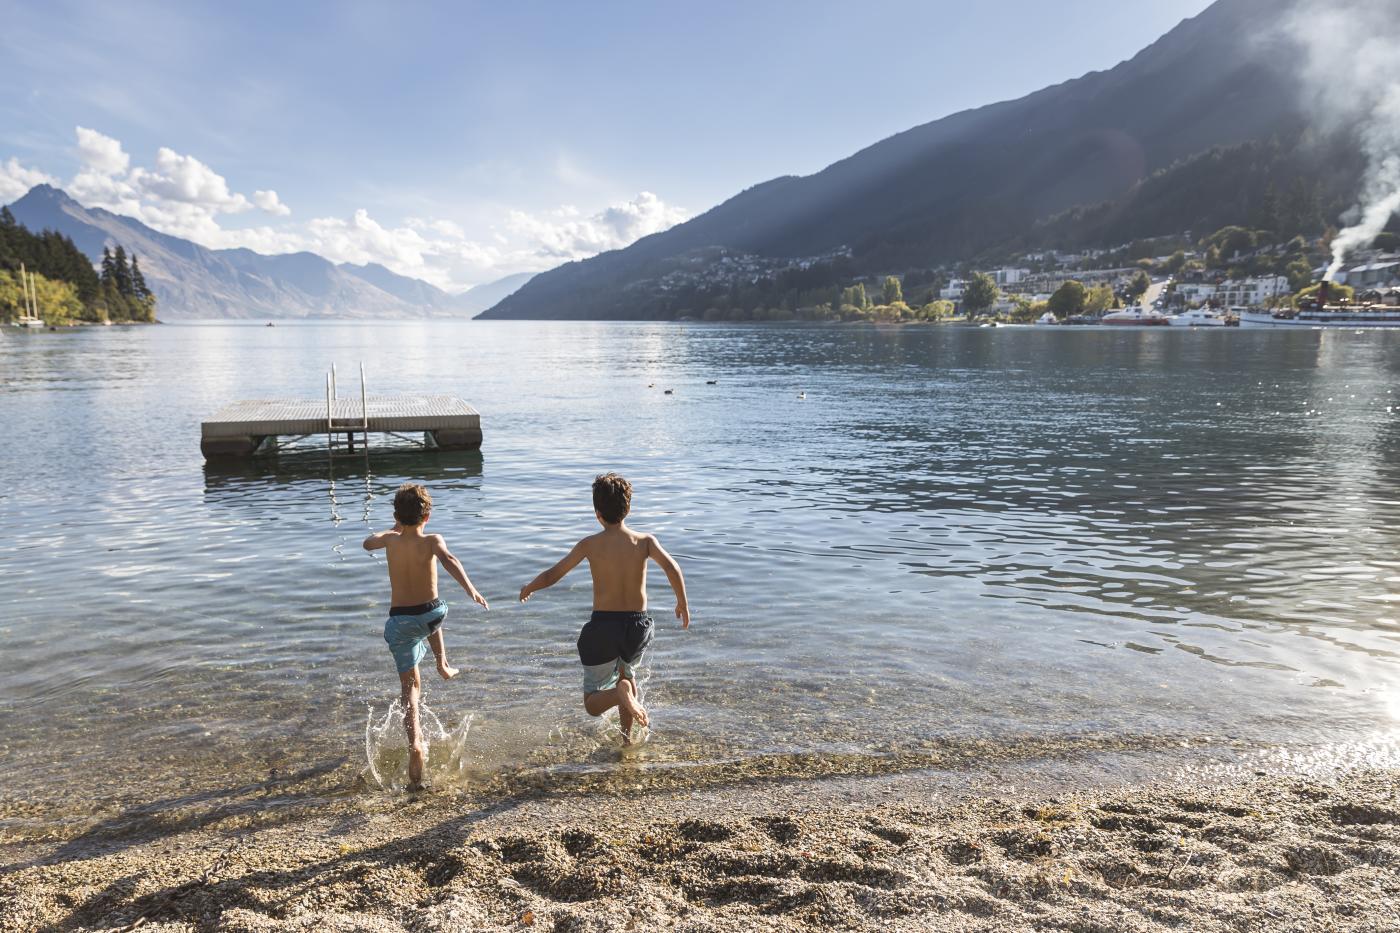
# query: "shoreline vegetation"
{"points": [[1304, 852], [68, 289]]}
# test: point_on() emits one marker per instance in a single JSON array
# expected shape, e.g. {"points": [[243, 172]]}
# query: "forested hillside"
{"points": [[67, 288]]}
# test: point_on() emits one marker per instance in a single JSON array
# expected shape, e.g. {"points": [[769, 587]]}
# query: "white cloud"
{"points": [[186, 180], [268, 201], [563, 235], [101, 153], [179, 195], [16, 180], [185, 197]]}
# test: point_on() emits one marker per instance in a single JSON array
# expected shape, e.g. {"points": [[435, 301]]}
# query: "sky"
{"points": [[459, 142]]}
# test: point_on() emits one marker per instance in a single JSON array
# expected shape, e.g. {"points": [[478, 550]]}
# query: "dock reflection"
{"points": [[343, 480]]}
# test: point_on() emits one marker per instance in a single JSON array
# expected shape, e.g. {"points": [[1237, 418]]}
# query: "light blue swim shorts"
{"points": [[408, 630]]}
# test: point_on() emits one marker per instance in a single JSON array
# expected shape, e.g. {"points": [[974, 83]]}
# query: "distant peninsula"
{"points": [[66, 288]]}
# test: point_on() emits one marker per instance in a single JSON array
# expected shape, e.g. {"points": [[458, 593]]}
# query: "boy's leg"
{"points": [[411, 685], [620, 695], [440, 652]]}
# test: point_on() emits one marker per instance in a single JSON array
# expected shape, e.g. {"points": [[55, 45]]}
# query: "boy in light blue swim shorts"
{"points": [[415, 621], [611, 644]]}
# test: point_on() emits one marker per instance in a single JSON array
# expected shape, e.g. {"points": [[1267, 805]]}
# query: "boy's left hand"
{"points": [[525, 592], [479, 599], [683, 613]]}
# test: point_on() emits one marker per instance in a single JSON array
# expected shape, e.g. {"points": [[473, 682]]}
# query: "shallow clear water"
{"points": [[957, 534]]}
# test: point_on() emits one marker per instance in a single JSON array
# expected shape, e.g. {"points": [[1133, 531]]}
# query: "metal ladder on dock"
{"points": [[346, 426]]}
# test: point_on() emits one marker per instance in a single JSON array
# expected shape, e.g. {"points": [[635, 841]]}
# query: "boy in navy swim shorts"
{"points": [[612, 642], [415, 621]]}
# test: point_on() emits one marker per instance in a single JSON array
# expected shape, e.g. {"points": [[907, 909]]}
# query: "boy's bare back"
{"points": [[617, 558], [412, 560]]}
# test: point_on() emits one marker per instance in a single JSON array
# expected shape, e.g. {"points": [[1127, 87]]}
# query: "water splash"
{"points": [[386, 747], [609, 727]]}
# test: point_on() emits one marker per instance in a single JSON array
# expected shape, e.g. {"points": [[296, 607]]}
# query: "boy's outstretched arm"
{"points": [[454, 567], [380, 539], [556, 573], [673, 573]]}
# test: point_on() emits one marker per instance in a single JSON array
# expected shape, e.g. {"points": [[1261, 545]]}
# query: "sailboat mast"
{"points": [[24, 285]]}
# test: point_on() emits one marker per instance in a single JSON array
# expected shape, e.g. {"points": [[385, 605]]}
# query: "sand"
{"points": [[1271, 853]]}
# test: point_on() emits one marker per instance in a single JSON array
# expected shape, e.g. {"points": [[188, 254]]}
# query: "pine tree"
{"points": [[138, 281], [109, 273], [6, 218], [122, 272]]}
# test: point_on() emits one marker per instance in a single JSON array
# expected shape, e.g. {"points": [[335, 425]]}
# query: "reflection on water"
{"points": [[957, 535]]}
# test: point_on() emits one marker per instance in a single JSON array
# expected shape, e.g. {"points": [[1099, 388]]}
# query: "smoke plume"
{"points": [[1351, 69]]}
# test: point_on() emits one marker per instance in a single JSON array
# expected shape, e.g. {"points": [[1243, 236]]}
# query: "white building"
{"points": [[1252, 291], [1005, 277], [1196, 293], [953, 291], [1374, 273]]}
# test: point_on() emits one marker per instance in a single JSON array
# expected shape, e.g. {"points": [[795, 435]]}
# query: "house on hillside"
{"points": [[1196, 293], [1253, 291], [1381, 272]]}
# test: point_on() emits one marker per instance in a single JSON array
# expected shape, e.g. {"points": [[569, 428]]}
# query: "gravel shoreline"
{"points": [[1275, 853]]}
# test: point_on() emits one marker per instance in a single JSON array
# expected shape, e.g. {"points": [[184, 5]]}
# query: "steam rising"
{"points": [[1351, 67]]}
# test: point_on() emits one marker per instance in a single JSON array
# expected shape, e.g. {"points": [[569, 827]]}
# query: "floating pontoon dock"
{"points": [[243, 428]]}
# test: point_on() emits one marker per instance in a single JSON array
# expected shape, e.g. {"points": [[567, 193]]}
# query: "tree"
{"points": [[1299, 275], [936, 310], [1139, 284], [1068, 299], [1335, 292], [1099, 299], [1176, 262], [6, 218], [109, 268], [893, 292], [980, 293], [122, 271], [138, 281]]}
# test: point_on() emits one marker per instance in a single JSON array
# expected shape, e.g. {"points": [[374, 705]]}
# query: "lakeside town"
{"points": [[1232, 277]]}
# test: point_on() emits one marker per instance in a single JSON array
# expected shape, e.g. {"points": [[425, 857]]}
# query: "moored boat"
{"points": [[1136, 317], [1325, 316], [1198, 317], [1319, 312]]}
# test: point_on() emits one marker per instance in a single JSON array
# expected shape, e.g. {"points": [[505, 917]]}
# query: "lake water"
{"points": [[964, 539]]}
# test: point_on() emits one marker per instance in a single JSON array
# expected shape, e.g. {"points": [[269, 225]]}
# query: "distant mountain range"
{"points": [[1113, 153], [191, 281]]}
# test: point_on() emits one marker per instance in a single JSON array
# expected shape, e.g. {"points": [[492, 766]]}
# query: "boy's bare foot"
{"points": [[447, 672], [415, 768], [629, 711]]}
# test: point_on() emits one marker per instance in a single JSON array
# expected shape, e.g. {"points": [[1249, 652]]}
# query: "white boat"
{"points": [[1198, 317], [1136, 316], [30, 319], [1047, 318], [1326, 316]]}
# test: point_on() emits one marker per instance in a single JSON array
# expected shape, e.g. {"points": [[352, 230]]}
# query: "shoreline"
{"points": [[1318, 852]]}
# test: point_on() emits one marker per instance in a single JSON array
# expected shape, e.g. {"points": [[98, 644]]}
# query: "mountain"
{"points": [[972, 182], [477, 299], [191, 281], [411, 291]]}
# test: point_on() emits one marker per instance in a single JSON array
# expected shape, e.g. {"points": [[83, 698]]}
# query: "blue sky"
{"points": [[463, 141]]}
